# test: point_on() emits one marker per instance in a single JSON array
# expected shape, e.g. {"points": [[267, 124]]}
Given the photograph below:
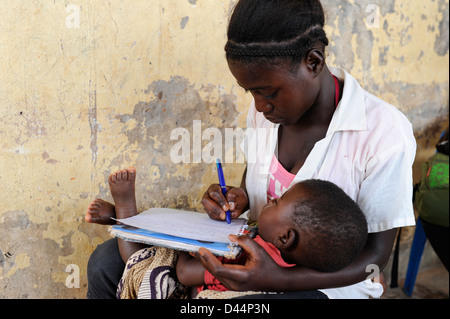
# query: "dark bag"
{"points": [[431, 197]]}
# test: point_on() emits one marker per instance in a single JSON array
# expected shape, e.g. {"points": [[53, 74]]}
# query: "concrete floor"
{"points": [[431, 283]]}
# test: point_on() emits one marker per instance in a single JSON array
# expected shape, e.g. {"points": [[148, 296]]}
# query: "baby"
{"points": [[315, 224]]}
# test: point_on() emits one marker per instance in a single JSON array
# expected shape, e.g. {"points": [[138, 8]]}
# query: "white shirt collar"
{"points": [[351, 111]]}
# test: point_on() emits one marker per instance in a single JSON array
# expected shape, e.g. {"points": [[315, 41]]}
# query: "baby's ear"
{"points": [[286, 240]]}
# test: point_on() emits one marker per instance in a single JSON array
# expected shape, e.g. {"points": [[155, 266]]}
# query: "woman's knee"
{"points": [[104, 270]]}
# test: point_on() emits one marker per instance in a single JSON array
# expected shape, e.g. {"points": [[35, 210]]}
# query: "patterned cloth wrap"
{"points": [[150, 274]]}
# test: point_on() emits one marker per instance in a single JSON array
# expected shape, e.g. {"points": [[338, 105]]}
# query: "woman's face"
{"points": [[283, 93]]}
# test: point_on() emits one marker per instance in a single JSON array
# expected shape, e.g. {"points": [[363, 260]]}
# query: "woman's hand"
{"points": [[216, 204], [253, 275]]}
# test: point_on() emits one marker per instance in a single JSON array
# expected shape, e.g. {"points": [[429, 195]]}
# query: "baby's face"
{"points": [[276, 214]]}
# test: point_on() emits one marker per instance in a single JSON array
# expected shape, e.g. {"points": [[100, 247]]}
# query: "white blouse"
{"points": [[368, 151]]}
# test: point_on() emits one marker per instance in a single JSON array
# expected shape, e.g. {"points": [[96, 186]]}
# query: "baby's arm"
{"points": [[190, 271]]}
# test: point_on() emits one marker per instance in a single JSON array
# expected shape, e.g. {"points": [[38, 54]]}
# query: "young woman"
{"points": [[325, 127]]}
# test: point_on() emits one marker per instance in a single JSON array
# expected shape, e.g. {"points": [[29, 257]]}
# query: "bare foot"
{"points": [[100, 212], [122, 186]]}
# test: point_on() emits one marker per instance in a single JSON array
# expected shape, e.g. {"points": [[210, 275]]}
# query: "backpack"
{"points": [[431, 195]]}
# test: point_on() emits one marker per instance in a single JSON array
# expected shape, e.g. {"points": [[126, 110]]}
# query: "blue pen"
{"points": [[222, 186]]}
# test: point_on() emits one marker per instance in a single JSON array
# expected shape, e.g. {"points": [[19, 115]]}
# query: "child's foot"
{"points": [[122, 186], [100, 212]]}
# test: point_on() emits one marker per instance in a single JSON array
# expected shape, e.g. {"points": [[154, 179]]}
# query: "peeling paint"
{"points": [[171, 105], [184, 21], [21, 261], [93, 124]]}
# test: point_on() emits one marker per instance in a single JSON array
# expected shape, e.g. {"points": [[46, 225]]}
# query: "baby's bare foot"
{"points": [[100, 212], [122, 186]]}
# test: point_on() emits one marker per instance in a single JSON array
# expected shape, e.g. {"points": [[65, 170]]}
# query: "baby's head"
{"points": [[315, 224]]}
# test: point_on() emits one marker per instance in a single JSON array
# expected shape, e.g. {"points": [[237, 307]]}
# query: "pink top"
{"points": [[212, 283], [279, 179]]}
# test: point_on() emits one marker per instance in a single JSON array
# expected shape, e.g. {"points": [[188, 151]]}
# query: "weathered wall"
{"points": [[89, 87]]}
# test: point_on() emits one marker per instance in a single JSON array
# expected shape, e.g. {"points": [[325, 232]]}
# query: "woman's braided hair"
{"points": [[271, 29]]}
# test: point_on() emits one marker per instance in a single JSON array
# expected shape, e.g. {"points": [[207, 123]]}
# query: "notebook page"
{"points": [[185, 224]]}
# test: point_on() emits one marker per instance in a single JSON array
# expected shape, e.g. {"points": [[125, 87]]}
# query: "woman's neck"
{"points": [[321, 113]]}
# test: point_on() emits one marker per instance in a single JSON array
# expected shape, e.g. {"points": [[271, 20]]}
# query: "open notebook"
{"points": [[181, 230]]}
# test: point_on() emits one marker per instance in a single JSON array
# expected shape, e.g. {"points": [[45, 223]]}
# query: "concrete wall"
{"points": [[90, 87]]}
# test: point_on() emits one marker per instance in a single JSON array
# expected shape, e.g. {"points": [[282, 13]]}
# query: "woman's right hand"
{"points": [[216, 204]]}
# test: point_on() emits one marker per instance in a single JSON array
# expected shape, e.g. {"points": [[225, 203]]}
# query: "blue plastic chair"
{"points": [[417, 247]]}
